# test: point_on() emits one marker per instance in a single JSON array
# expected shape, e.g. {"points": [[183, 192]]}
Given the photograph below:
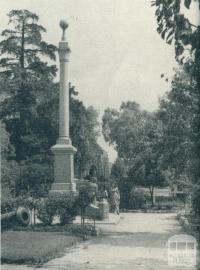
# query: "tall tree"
{"points": [[22, 45], [137, 137], [177, 111], [175, 28], [29, 105], [125, 129], [84, 129], [27, 78]]}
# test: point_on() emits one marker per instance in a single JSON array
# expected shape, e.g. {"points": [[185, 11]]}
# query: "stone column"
{"points": [[63, 150]]}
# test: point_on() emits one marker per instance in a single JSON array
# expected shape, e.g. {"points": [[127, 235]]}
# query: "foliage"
{"points": [[11, 204], [196, 199], [177, 112], [25, 81], [87, 230], [56, 204], [35, 179], [25, 78], [9, 168], [166, 202], [122, 128], [44, 211], [29, 106], [85, 197], [84, 131], [22, 46], [137, 136], [125, 185], [118, 170], [87, 193], [137, 199], [173, 25], [119, 176]]}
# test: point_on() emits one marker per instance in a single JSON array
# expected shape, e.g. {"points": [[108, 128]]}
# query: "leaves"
{"points": [[20, 15], [177, 112], [23, 41], [169, 37], [187, 3], [174, 26], [29, 105], [179, 49], [137, 137]]}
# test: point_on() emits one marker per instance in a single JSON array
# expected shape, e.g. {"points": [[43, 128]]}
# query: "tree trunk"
{"points": [[151, 190]]}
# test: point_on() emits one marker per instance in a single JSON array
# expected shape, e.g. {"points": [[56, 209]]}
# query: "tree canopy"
{"points": [[137, 136], [175, 28], [22, 46], [29, 105]]}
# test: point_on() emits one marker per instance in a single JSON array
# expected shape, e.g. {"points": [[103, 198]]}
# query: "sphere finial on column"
{"points": [[64, 25]]}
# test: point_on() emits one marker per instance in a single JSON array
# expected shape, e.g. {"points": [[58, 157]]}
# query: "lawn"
{"points": [[34, 247]]}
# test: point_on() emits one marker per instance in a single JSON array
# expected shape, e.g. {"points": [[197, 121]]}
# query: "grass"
{"points": [[69, 229], [32, 247]]}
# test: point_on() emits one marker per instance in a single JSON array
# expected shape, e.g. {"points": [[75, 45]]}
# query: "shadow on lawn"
{"points": [[26, 247], [138, 239]]}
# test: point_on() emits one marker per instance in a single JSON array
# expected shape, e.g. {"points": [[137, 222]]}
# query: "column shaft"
{"points": [[63, 150], [64, 101]]}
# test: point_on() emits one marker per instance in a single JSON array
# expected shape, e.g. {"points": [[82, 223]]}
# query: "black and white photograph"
{"points": [[100, 134]]}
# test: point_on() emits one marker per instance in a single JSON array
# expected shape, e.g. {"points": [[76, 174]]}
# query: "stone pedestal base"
{"points": [[63, 168], [63, 187]]}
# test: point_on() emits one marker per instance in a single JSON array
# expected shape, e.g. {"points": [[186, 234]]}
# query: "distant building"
{"points": [[100, 165]]}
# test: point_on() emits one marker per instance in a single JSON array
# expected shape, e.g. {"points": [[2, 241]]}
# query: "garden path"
{"points": [[138, 242]]}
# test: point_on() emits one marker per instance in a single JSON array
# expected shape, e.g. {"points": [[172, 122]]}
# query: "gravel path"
{"points": [[138, 242]]}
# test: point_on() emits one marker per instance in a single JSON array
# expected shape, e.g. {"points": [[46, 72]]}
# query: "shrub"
{"points": [[35, 178], [196, 200], [166, 202], [57, 204], [125, 186], [137, 199], [87, 193], [44, 212], [11, 204], [8, 205]]}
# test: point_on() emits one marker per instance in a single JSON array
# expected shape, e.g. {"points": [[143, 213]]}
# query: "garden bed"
{"points": [[34, 247]]}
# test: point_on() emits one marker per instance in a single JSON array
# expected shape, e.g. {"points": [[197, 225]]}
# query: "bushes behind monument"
{"points": [[11, 204], [57, 204], [59, 207]]}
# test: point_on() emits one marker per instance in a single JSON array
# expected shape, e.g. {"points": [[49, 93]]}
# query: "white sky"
{"points": [[117, 54]]}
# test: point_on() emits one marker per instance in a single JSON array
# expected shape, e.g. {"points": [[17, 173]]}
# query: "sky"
{"points": [[117, 55]]}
